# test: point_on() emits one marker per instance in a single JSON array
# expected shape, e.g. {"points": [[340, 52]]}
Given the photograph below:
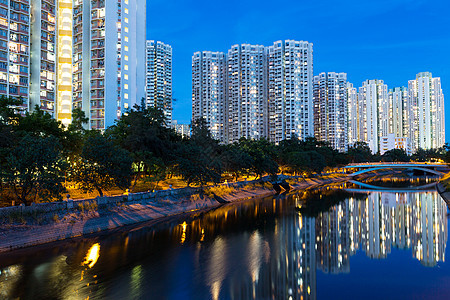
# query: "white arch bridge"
{"points": [[432, 168]]}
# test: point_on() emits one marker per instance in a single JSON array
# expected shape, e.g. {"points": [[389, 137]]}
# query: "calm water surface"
{"points": [[324, 244]]}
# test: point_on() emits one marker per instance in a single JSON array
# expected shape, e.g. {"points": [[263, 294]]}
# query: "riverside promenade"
{"points": [[157, 210]]}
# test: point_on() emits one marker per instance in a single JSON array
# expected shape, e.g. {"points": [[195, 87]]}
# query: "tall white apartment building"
{"points": [[398, 98], [109, 58], [246, 94], [208, 91], [158, 87], [374, 113], [427, 121], [353, 108], [330, 109], [15, 49], [290, 68]]}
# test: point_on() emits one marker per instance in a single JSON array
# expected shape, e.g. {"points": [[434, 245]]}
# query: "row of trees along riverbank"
{"points": [[39, 158]]}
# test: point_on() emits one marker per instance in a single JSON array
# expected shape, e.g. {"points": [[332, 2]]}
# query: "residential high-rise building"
{"points": [[427, 120], [159, 77], [109, 58], [182, 129], [43, 64], [246, 95], [290, 83], [15, 49], [353, 108], [398, 97], [330, 109], [208, 91], [374, 113]]}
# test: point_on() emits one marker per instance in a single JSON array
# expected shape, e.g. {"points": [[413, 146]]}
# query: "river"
{"points": [[321, 244]]}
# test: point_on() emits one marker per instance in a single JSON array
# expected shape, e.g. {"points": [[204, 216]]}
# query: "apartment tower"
{"points": [[158, 87], [427, 120], [353, 109], [290, 83], [246, 94], [330, 109], [208, 91], [109, 58], [15, 49], [374, 113]]}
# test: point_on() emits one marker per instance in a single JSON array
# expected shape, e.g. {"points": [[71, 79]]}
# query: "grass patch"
{"points": [[220, 190]]}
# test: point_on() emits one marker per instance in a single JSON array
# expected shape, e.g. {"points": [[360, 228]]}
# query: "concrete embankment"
{"points": [[71, 219], [444, 193]]}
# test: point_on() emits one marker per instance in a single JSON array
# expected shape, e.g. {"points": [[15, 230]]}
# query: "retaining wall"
{"points": [[75, 205]]}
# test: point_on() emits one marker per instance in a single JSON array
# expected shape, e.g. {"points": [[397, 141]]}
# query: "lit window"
{"points": [[126, 29], [125, 86], [125, 95], [126, 39], [126, 48], [126, 10], [126, 57], [125, 76], [126, 20], [125, 67]]}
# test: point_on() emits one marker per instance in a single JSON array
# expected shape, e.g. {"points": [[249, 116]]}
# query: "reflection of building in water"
{"points": [[429, 231], [333, 241], [293, 268], [280, 264], [401, 220]]}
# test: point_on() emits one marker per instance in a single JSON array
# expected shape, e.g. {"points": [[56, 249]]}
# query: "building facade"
{"points": [[158, 88], [290, 83], [353, 120], [182, 129], [246, 94], [331, 109], [427, 120], [15, 38], [398, 97], [374, 113], [208, 91], [109, 64]]}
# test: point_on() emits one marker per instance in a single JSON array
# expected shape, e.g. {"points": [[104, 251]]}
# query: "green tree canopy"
{"points": [[101, 165]]}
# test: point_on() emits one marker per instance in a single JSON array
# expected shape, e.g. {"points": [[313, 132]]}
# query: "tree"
{"points": [[235, 161], [360, 152], [195, 165], [143, 133], [35, 167], [101, 165], [395, 155], [263, 155], [199, 159]]}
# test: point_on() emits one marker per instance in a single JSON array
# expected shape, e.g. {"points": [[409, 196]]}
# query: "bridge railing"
{"points": [[397, 163]]}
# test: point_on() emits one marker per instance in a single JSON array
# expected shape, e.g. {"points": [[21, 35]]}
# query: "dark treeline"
{"points": [[38, 155]]}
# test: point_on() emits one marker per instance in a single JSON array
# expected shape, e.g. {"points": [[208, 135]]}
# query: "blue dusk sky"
{"points": [[391, 40]]}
